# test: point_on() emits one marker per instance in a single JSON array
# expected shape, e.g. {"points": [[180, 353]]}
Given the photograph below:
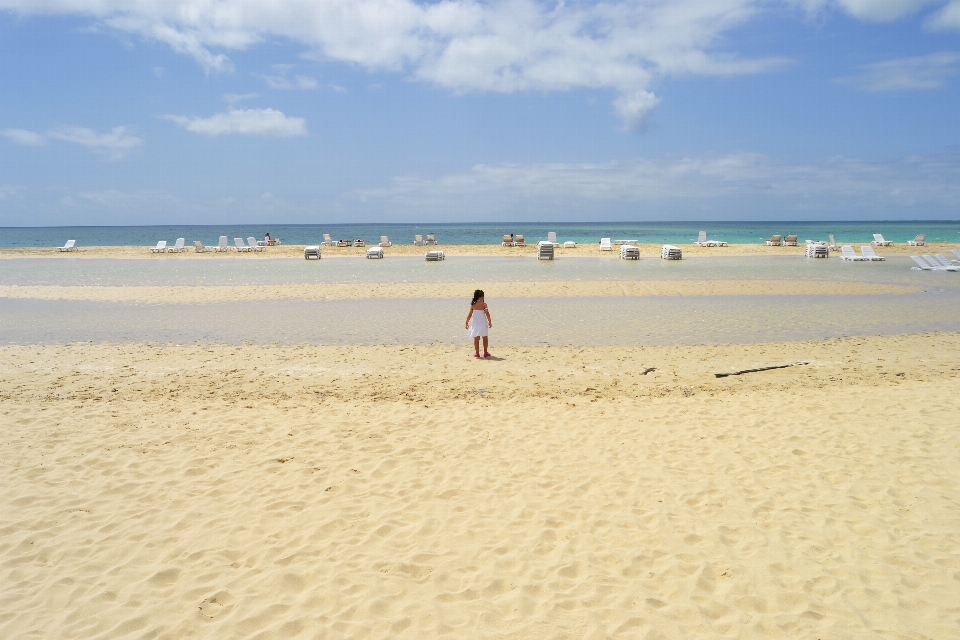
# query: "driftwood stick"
{"points": [[779, 366]]}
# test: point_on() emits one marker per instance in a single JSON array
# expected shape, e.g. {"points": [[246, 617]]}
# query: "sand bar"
{"points": [[239, 492], [447, 290], [583, 250]]}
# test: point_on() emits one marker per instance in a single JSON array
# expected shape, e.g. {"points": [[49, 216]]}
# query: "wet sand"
{"points": [[285, 492]]}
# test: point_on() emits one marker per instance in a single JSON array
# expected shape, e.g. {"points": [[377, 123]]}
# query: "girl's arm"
{"points": [[486, 310], [469, 314]]}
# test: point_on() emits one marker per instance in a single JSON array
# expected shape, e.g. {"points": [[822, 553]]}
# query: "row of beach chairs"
{"points": [[867, 254], [418, 241], [374, 253], [937, 262], [238, 245]]}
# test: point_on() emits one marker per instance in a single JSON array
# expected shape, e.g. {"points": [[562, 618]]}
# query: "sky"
{"points": [[128, 112]]}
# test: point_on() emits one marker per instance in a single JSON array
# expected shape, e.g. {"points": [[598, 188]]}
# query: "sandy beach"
{"points": [[582, 250], [283, 492]]}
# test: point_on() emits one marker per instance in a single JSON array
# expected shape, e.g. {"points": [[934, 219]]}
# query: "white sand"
{"points": [[301, 492]]}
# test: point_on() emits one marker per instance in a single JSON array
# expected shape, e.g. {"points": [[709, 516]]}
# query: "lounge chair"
{"points": [[238, 244], [870, 254], [879, 241], [569, 244], [552, 237], [921, 264], [670, 252], [385, 241], [847, 253], [430, 239], [199, 248], [177, 246], [703, 242], [418, 241], [312, 251], [375, 252], [605, 244], [775, 241], [816, 250], [833, 243], [327, 242], [68, 246], [507, 241], [629, 252], [160, 248], [790, 241], [222, 244], [253, 244], [956, 254], [919, 241], [435, 256], [359, 242], [545, 250], [944, 260], [519, 241], [344, 243], [927, 263]]}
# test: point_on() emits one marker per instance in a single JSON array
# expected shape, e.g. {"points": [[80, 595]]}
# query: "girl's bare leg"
{"points": [[476, 344], [485, 343]]}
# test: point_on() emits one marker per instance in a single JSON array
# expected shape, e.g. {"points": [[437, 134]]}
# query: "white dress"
{"points": [[478, 324]]}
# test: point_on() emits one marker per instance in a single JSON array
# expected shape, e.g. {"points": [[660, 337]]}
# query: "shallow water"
{"points": [[541, 321], [468, 269]]}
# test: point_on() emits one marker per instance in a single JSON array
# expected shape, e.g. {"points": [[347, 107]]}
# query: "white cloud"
{"points": [[946, 18], [9, 190], [281, 81], [463, 45], [114, 145], [684, 187], [260, 122], [919, 72], [872, 10], [24, 137]]}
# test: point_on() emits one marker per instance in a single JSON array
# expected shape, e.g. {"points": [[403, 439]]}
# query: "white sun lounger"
{"points": [[545, 250], [418, 241], [870, 254], [385, 241], [374, 252], [703, 242], [927, 263], [240, 246], [311, 251], [816, 250], [879, 241], [160, 248], [177, 246], [847, 253], [552, 237], [936, 264], [253, 245], [519, 241], [327, 242], [629, 252], [956, 254], [222, 244], [435, 256], [569, 244], [430, 239], [919, 241], [68, 246], [940, 260], [670, 252], [790, 241], [775, 241], [199, 248], [605, 244], [833, 243]]}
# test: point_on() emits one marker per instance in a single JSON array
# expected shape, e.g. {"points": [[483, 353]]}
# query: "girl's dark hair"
{"points": [[476, 296]]}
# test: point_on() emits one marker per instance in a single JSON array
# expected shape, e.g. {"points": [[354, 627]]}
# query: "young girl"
{"points": [[480, 316]]}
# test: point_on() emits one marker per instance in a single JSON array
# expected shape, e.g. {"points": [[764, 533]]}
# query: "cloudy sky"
{"points": [[306, 111]]}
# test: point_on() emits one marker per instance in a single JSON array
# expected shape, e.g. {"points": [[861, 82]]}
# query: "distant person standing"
{"points": [[479, 323], [266, 238]]}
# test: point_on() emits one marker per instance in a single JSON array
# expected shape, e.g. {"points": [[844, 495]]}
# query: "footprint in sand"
{"points": [[216, 605]]}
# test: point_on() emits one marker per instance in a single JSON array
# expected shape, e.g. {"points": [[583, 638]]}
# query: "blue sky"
{"points": [[298, 111]]}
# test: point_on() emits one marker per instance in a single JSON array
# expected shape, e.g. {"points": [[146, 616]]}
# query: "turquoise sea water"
{"points": [[470, 233]]}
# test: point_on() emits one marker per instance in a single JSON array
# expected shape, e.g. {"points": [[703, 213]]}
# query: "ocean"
{"points": [[488, 233]]}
